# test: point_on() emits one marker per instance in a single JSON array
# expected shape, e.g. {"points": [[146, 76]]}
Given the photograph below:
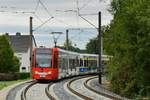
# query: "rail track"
{"points": [[52, 97], [79, 87], [98, 92], [13, 92], [23, 93], [47, 92], [75, 92], [80, 95]]}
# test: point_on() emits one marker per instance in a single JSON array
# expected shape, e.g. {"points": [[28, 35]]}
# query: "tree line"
{"points": [[127, 39]]}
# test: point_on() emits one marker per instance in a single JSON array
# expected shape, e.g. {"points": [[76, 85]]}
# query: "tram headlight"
{"points": [[36, 72], [49, 73]]}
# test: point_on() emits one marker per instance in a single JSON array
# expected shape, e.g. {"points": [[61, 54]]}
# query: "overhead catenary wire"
{"points": [[46, 9], [43, 24], [84, 5], [38, 18], [17, 12], [89, 22], [61, 20], [77, 15], [36, 8]]}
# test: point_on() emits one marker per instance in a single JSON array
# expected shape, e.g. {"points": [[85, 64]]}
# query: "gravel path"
{"points": [[78, 85], [37, 92]]}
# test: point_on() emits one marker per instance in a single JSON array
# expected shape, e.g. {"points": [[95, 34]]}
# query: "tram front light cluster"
{"points": [[36, 72], [49, 73]]}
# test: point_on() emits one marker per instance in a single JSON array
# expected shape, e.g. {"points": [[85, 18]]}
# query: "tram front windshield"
{"points": [[43, 59]]}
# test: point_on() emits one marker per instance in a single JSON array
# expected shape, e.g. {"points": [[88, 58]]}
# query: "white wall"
{"points": [[24, 60]]}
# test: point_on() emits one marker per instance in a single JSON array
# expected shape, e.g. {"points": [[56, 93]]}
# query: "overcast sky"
{"points": [[14, 17]]}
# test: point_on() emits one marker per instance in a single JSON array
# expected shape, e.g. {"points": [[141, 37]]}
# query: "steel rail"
{"points": [[75, 92], [23, 93], [98, 92], [7, 97], [47, 92]]}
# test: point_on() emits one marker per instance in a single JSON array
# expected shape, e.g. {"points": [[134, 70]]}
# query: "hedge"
{"points": [[13, 76]]}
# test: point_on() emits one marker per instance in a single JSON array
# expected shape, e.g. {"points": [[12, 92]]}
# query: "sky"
{"points": [[63, 14]]}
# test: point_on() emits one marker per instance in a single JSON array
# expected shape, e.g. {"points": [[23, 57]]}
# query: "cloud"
{"points": [[12, 22]]}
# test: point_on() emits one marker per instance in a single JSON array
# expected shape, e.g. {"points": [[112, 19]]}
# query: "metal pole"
{"points": [[31, 45], [55, 42], [67, 48], [67, 40], [100, 53]]}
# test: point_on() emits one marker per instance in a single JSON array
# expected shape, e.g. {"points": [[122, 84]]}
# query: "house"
{"points": [[21, 46]]}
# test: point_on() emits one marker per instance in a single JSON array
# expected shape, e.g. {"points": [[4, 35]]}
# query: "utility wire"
{"points": [[16, 12], [37, 17], [36, 8], [43, 24], [89, 14], [84, 5], [45, 8], [12, 7], [52, 15], [88, 22], [77, 15]]}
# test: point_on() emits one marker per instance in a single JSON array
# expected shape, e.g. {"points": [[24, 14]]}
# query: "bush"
{"points": [[24, 75], [9, 76], [13, 76]]}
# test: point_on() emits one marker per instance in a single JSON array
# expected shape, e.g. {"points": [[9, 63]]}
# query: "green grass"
{"points": [[4, 84]]}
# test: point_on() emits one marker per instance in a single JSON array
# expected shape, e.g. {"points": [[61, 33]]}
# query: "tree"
{"points": [[70, 47], [128, 40], [8, 62], [92, 46]]}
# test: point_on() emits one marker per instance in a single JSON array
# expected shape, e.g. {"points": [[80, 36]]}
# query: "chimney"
{"points": [[18, 34], [7, 34]]}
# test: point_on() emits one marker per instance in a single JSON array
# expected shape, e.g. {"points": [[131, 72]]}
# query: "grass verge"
{"points": [[4, 84]]}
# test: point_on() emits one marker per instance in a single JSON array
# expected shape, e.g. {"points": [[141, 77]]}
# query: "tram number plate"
{"points": [[42, 75]]}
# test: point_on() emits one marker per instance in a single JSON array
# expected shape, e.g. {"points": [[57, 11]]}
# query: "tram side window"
{"points": [[61, 62], [90, 63], [77, 62], [65, 64], [81, 62], [73, 63], [70, 63], [85, 63]]}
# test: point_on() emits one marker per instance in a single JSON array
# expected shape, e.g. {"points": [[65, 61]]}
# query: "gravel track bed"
{"points": [[78, 86], [37, 92], [14, 93], [93, 83]]}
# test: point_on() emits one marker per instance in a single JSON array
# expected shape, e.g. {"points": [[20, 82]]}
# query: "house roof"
{"points": [[20, 43]]}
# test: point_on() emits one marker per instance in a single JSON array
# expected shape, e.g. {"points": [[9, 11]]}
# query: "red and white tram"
{"points": [[55, 63]]}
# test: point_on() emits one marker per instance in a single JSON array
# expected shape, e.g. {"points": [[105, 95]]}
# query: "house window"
{"points": [[19, 54], [23, 69], [19, 58]]}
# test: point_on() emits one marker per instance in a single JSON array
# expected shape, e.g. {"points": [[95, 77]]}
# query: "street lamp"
{"points": [[56, 38]]}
